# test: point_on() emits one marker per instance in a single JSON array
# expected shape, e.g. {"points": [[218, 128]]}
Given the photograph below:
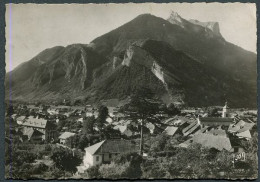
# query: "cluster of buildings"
{"points": [[39, 123], [36, 129], [220, 133]]}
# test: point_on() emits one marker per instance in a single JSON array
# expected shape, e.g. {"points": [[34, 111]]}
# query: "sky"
{"points": [[31, 28]]}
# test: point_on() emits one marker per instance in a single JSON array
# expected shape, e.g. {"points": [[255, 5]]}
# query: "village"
{"points": [[101, 134]]}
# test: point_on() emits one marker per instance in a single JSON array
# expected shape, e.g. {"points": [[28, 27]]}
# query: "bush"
{"points": [[23, 171], [158, 144], [133, 170], [93, 172], [39, 168], [66, 159], [127, 157], [55, 173], [153, 168], [114, 171]]}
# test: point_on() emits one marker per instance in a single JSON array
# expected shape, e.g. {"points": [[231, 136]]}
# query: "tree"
{"points": [[159, 143], [141, 108], [213, 112], [66, 160], [102, 116], [61, 124], [125, 165], [18, 162], [88, 125], [77, 102], [72, 141], [251, 148], [39, 168], [172, 109], [109, 132], [83, 142]]}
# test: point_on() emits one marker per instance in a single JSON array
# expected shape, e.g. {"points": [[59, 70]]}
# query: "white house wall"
{"points": [[88, 159], [95, 162]]}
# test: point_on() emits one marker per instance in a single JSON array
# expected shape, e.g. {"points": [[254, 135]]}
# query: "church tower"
{"points": [[225, 111]]}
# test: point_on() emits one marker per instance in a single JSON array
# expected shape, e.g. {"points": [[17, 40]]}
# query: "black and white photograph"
{"points": [[131, 91]]}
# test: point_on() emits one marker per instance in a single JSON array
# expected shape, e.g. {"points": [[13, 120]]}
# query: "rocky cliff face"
{"points": [[76, 62]]}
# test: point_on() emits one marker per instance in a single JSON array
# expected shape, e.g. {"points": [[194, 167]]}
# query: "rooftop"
{"points": [[240, 126], [30, 131], [217, 132], [211, 141], [66, 135], [171, 130], [35, 122], [20, 118], [112, 146], [245, 134], [215, 119], [121, 128]]}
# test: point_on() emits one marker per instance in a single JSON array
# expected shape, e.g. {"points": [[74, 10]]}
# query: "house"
{"points": [[33, 134], [188, 111], [92, 112], [178, 121], [109, 120], [104, 151], [240, 126], [79, 112], [20, 119], [123, 130], [171, 130], [129, 122], [190, 129], [118, 116], [151, 127], [214, 121], [89, 113], [53, 111], [67, 114], [111, 111], [14, 116], [47, 127], [210, 141], [170, 120], [64, 136], [80, 120], [244, 134]]}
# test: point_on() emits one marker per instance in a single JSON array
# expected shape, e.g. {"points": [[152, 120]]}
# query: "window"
{"points": [[97, 158], [110, 156]]}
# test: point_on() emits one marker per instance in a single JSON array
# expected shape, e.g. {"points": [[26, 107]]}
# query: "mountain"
{"points": [[180, 60]]}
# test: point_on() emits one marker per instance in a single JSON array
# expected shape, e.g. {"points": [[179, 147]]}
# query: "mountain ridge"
{"points": [[180, 64]]}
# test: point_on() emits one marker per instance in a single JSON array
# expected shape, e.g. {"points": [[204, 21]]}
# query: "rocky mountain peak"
{"points": [[175, 18], [213, 26]]}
